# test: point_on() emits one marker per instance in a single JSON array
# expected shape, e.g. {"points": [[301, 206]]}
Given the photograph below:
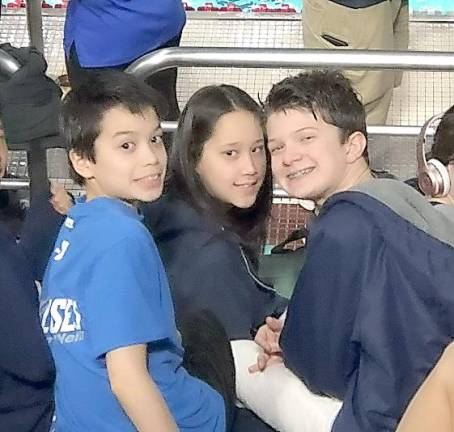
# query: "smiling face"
{"points": [[130, 157], [308, 157], [233, 161]]}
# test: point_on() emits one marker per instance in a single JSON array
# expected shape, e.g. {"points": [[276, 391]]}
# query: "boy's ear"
{"points": [[3, 155], [81, 164], [354, 146], [451, 173]]}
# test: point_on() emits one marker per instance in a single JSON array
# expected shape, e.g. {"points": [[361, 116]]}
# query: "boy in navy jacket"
{"points": [[373, 307], [26, 367]]}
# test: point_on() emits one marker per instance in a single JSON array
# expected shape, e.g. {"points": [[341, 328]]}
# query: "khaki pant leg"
{"points": [[366, 28], [401, 35]]}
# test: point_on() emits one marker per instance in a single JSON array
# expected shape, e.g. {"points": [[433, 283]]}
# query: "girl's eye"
{"points": [[127, 146], [231, 152], [156, 139], [258, 148], [307, 138]]}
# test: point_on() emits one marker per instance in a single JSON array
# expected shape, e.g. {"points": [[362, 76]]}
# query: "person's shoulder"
{"points": [[8, 245], [6, 236], [342, 220], [108, 224]]}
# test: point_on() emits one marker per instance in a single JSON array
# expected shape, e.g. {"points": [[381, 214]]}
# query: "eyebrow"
{"points": [[270, 140], [303, 129], [236, 143], [128, 132]]}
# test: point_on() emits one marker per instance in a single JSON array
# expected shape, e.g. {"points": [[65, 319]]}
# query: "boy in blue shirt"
{"points": [[106, 308]]}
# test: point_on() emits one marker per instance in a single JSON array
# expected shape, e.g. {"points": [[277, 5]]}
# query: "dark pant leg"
{"points": [[76, 73], [208, 356], [247, 421], [165, 82]]}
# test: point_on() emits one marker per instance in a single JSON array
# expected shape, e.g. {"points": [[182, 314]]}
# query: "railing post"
{"points": [[35, 24]]}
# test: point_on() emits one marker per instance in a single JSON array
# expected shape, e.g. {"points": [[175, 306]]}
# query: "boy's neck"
{"points": [[448, 199], [91, 195], [357, 174]]}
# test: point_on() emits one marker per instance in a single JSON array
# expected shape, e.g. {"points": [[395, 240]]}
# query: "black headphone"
{"points": [[433, 176]]}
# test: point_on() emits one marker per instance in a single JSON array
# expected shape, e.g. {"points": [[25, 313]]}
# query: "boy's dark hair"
{"points": [[196, 125], [323, 92], [84, 107], [443, 147]]}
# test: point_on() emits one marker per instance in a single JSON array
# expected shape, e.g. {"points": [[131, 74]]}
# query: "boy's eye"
{"points": [[156, 139], [276, 148], [258, 148], [127, 146]]}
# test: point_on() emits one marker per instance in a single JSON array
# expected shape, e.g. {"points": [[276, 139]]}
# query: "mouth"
{"points": [[246, 185], [300, 173], [149, 179]]}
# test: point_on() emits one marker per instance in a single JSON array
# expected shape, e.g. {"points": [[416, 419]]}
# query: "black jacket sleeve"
{"points": [[214, 277], [39, 232]]}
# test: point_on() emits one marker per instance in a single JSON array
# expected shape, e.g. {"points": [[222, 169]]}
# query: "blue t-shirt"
{"points": [[116, 32], [105, 288]]}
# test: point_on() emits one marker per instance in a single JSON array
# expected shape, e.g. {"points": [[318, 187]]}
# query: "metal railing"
{"points": [[290, 58], [35, 24], [167, 126], [282, 58], [401, 131], [8, 64]]}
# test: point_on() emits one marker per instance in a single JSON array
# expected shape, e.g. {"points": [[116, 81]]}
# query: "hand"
{"points": [[265, 360], [267, 338], [268, 335], [61, 200]]}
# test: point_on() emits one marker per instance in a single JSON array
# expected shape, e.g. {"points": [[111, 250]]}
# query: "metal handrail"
{"points": [[401, 131], [291, 58], [8, 64], [14, 184], [167, 126]]}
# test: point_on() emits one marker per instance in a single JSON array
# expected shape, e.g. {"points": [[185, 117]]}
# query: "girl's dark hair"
{"points": [[443, 147], [197, 123]]}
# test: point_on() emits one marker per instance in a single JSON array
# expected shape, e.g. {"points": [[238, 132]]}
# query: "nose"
{"points": [[290, 154], [149, 155], [249, 165]]}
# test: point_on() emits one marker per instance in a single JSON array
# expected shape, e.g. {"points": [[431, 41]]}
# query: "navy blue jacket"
{"points": [[207, 268], [26, 366], [373, 308]]}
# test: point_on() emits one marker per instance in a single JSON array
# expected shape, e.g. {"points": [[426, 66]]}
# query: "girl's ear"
{"points": [[81, 164]]}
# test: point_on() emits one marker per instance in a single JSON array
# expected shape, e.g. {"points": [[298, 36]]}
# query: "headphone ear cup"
{"points": [[435, 179], [427, 182]]}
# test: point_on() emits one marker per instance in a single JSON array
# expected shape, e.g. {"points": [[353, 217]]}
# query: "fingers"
{"points": [[60, 200], [262, 360], [56, 187], [261, 338], [276, 325]]}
